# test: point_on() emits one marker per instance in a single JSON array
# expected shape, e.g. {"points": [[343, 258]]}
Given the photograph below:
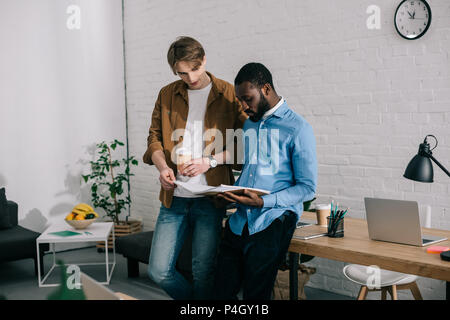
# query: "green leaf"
{"points": [[110, 194]]}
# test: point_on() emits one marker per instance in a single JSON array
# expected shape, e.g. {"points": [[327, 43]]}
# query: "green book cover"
{"points": [[65, 233]]}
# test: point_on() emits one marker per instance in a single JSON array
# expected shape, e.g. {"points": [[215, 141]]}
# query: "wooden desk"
{"points": [[356, 247]]}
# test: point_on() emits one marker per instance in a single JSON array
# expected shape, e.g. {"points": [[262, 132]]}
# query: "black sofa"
{"points": [[17, 242]]}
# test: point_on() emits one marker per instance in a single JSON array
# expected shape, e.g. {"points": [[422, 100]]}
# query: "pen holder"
{"points": [[335, 227]]}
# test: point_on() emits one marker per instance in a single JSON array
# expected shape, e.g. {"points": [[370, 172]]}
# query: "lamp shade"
{"points": [[419, 169]]}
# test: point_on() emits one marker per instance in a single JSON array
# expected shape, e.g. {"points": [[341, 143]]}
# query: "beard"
{"points": [[262, 108]]}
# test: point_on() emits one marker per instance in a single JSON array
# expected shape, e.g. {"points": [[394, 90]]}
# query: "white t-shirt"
{"points": [[193, 136]]}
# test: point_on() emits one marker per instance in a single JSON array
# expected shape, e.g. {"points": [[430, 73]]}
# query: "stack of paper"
{"points": [[200, 189]]}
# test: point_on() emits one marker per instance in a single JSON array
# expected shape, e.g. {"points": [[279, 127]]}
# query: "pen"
{"points": [[343, 213], [332, 223], [341, 216], [337, 219], [331, 212], [336, 210]]}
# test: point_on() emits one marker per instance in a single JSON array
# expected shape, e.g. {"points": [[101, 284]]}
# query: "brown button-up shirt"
{"points": [[223, 111]]}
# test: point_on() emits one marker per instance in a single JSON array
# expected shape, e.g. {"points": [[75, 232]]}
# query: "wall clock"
{"points": [[412, 18]]}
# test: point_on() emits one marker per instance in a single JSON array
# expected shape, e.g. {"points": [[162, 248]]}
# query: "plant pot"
{"points": [[122, 229]]}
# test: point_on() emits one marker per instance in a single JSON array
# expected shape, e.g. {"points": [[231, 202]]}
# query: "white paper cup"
{"points": [[322, 212], [183, 156]]}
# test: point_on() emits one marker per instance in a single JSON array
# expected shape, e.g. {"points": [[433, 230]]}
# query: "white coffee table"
{"points": [[97, 231]]}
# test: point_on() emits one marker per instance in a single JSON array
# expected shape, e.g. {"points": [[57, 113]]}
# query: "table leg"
{"points": [[54, 253], [293, 275], [39, 264], [107, 259], [114, 253], [447, 290]]}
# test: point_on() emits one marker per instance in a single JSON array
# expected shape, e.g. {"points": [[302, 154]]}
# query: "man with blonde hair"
{"points": [[184, 111]]}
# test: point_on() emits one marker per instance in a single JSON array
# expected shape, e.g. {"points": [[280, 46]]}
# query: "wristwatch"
{"points": [[212, 162]]}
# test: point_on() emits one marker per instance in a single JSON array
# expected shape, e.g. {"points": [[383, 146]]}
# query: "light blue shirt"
{"points": [[279, 156]]}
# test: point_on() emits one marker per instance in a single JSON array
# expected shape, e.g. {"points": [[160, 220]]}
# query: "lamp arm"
{"points": [[439, 165]]}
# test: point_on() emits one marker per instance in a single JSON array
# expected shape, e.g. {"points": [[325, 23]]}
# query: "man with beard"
{"points": [[283, 161]]}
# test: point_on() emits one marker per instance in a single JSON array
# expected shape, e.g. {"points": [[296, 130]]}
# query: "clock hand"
{"points": [[410, 15], [414, 14]]}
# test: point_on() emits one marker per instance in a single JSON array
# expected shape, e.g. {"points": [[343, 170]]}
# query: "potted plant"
{"points": [[109, 179]]}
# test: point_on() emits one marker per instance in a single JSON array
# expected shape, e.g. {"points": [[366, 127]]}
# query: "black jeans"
{"points": [[252, 261]]}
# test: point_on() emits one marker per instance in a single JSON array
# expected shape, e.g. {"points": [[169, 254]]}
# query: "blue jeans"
{"points": [[200, 216]]}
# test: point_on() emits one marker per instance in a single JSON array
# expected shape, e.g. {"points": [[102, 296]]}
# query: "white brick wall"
{"points": [[370, 95]]}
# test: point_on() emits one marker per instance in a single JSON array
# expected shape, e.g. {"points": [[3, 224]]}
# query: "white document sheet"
{"points": [[210, 190]]}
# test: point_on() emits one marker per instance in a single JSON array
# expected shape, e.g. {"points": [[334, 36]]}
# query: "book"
{"points": [[200, 189], [65, 233], [310, 232]]}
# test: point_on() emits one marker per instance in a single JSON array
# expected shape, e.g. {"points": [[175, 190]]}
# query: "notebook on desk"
{"points": [[310, 232]]}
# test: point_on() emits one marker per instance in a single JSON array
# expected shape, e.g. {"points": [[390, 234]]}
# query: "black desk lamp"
{"points": [[420, 167]]}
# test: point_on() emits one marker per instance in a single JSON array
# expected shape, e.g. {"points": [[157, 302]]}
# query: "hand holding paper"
{"points": [[167, 178]]}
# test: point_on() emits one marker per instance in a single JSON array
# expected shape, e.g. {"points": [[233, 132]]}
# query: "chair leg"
{"points": [[394, 292], [362, 293], [415, 291], [383, 293], [389, 289]]}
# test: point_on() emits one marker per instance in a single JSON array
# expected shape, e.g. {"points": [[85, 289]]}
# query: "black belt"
{"points": [[283, 216]]}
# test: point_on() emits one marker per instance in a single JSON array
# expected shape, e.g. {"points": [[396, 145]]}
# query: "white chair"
{"points": [[389, 281]]}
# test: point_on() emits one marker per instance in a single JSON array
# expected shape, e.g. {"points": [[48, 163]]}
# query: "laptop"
{"points": [[396, 221], [95, 291]]}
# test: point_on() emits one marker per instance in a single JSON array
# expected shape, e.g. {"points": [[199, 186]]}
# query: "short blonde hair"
{"points": [[185, 49]]}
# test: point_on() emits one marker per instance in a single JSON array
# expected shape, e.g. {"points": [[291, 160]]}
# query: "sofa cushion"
{"points": [[5, 221], [18, 243], [137, 246]]}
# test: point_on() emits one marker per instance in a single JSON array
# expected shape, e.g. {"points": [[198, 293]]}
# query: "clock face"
{"points": [[412, 18]]}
